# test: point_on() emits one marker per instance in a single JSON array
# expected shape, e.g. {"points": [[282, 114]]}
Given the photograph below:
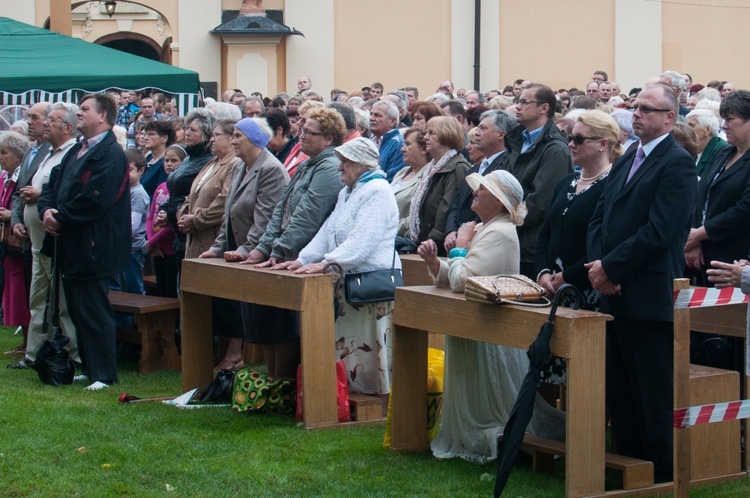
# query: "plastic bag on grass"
{"points": [[435, 366], [53, 364]]}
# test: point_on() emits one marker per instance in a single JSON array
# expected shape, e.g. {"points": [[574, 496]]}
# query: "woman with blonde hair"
{"points": [[440, 182], [405, 182], [561, 245]]}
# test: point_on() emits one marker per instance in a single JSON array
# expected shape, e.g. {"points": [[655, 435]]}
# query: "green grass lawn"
{"points": [[69, 442]]}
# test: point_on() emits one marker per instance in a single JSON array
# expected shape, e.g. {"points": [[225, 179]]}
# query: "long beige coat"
{"points": [[206, 203]]}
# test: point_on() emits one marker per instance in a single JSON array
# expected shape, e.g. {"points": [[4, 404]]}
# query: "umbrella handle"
{"points": [[566, 289]]}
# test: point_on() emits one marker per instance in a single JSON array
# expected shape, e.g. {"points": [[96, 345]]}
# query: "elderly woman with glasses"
{"points": [[439, 185], [359, 236], [482, 380], [304, 206]]}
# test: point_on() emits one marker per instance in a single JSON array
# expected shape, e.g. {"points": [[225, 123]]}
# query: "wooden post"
{"points": [[681, 394]]}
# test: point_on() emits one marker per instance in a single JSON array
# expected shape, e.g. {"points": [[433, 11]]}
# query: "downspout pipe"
{"points": [[477, 41]]}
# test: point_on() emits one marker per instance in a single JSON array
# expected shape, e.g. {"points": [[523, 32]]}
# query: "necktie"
{"points": [[483, 167], [640, 156]]}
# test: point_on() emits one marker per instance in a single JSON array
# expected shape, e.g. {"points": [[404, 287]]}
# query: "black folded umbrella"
{"points": [[53, 364], [539, 355]]}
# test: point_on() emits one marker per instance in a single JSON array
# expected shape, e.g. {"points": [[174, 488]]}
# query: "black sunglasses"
{"points": [[580, 139]]}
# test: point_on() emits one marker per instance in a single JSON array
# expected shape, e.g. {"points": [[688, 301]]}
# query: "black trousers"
{"points": [[640, 358], [89, 308]]}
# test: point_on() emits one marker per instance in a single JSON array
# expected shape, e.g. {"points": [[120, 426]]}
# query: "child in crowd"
{"points": [[139, 202], [159, 239]]}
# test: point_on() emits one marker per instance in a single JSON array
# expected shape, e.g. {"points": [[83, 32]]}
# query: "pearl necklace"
{"points": [[595, 177]]}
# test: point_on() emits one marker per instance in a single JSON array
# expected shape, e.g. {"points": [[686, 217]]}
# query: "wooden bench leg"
{"points": [[158, 350]]}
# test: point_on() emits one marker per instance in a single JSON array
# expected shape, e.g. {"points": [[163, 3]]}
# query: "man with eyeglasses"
{"points": [[60, 132], [599, 76], [490, 134], [538, 157], [635, 245], [592, 90]]}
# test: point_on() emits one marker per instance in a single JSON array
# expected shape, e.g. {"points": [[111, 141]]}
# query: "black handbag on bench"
{"points": [[373, 286]]}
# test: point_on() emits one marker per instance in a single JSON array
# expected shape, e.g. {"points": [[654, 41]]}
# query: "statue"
{"points": [[252, 7]]}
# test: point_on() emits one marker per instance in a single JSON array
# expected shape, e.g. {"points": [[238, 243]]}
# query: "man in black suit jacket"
{"points": [[86, 207], [635, 244], [490, 132]]}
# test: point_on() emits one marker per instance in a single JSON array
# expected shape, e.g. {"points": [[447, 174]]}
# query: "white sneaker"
{"points": [[80, 377], [96, 386]]}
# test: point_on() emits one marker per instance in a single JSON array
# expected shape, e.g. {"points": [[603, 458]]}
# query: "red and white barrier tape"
{"points": [[701, 297], [709, 414]]}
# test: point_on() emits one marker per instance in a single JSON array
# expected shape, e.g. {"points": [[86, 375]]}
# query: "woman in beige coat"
{"points": [[202, 213], [200, 220]]}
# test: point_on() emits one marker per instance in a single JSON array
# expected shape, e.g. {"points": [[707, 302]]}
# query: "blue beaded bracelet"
{"points": [[457, 252]]}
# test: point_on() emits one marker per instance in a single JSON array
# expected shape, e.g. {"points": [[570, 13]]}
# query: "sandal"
{"points": [[17, 350], [230, 365]]}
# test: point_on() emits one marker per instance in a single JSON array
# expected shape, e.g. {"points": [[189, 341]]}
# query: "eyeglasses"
{"points": [[646, 109], [580, 139], [307, 132], [527, 102]]}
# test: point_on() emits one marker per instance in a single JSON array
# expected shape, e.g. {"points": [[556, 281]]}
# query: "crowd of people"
{"points": [[616, 193]]}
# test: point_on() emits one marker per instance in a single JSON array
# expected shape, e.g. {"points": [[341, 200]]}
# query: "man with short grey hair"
{"points": [[29, 164], [474, 98], [401, 100], [60, 133], [490, 134], [384, 127], [252, 107], [676, 82]]}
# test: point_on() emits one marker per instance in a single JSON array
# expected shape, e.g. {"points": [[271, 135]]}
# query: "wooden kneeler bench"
{"points": [[155, 319], [635, 473]]}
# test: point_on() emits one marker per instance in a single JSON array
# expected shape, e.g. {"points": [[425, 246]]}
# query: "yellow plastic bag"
{"points": [[435, 365]]}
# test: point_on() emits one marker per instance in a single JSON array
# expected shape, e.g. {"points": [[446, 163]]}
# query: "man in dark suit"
{"points": [[635, 244], [491, 131], [86, 207]]}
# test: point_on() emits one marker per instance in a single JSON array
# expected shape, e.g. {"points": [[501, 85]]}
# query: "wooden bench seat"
{"points": [[155, 319], [636, 473], [149, 281]]}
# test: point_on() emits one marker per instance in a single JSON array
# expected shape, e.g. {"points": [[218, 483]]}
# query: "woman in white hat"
{"points": [[359, 235], [482, 380]]}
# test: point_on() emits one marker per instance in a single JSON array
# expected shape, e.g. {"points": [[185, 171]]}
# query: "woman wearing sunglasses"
{"points": [[561, 245]]}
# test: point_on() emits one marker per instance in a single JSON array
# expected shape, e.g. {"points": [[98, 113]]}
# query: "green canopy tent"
{"points": [[38, 65]]}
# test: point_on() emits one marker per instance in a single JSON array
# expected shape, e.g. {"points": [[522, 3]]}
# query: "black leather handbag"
{"points": [[373, 286]]}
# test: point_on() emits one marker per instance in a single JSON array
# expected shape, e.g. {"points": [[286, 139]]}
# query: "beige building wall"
{"points": [[313, 54], [709, 41], [20, 11], [399, 43], [351, 43], [198, 49], [638, 42], [558, 43]]}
